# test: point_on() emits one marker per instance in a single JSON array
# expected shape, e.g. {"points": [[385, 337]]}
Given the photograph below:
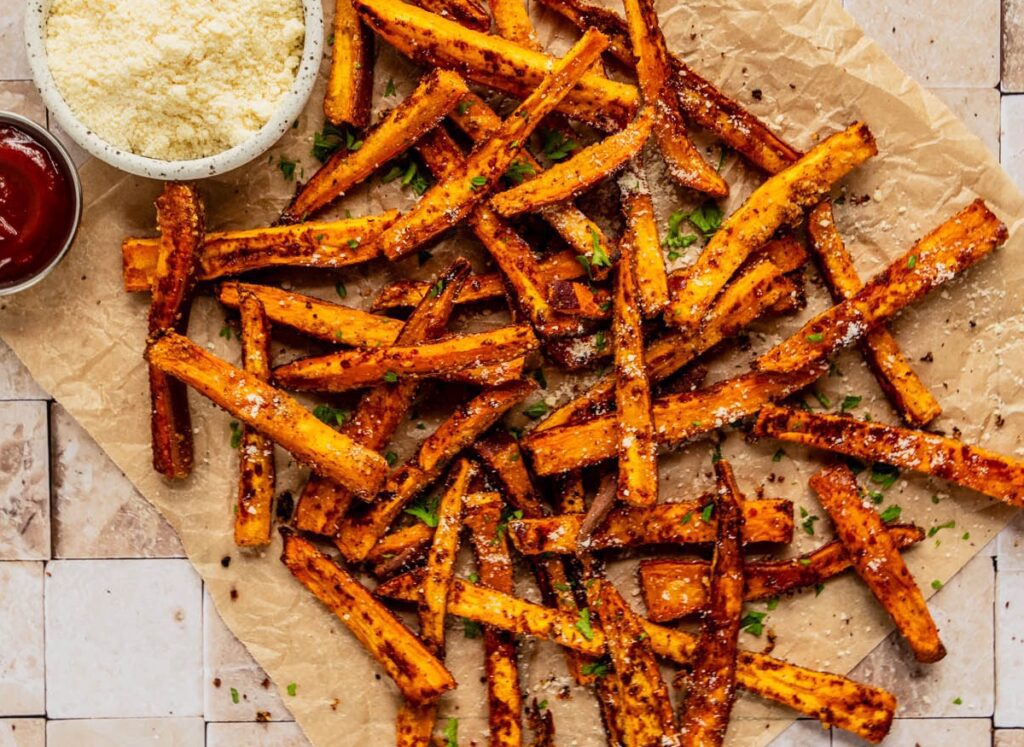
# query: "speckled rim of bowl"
{"points": [[292, 105], [58, 151]]}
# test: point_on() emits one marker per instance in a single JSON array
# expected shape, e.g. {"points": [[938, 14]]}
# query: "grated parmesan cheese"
{"points": [[174, 79]]}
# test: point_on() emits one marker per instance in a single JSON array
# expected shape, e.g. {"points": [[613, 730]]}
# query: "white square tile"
{"points": [[274, 734], [804, 734], [123, 639], [963, 613], [22, 732], [228, 669], [1009, 738], [24, 481], [126, 732], [1012, 145], [1010, 546], [1013, 46], [979, 108], [15, 380], [1010, 648], [14, 61], [97, 512], [952, 45], [22, 680], [929, 732]]}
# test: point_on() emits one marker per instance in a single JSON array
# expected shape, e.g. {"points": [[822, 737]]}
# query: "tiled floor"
{"points": [[106, 631]]}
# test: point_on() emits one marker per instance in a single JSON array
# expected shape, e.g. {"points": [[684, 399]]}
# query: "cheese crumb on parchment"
{"points": [[174, 79]]}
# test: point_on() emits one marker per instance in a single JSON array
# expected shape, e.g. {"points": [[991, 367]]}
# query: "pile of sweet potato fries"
{"points": [[525, 495]]}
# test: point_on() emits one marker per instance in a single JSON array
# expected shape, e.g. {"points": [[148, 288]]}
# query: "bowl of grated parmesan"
{"points": [[175, 89]]}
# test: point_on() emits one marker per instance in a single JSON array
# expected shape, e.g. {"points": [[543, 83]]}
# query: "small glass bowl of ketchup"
{"points": [[40, 203]]}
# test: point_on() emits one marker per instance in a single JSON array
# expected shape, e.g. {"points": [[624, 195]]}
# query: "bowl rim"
{"points": [[57, 149], [292, 105]]}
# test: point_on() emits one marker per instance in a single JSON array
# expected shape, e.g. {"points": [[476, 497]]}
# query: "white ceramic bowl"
{"points": [[154, 168]]}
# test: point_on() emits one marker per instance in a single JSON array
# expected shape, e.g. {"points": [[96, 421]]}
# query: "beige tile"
{"points": [[15, 380], [24, 481], [97, 512], [979, 108], [1009, 738], [1013, 46], [952, 45], [22, 678], [229, 669], [1010, 546], [21, 97], [126, 732], [123, 639], [78, 154], [22, 732], [931, 690], [804, 734], [929, 732], [280, 734], [13, 61], [1012, 144], [1010, 649]]}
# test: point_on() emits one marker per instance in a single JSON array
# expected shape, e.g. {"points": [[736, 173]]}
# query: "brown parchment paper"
{"points": [[82, 338]]}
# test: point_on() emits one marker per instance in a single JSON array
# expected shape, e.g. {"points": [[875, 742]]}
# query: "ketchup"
{"points": [[37, 206]]}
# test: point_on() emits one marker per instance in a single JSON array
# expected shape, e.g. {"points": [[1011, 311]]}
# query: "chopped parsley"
{"points": [[287, 168], [436, 288], [583, 624], [753, 622], [391, 458], [291, 689], [474, 577], [912, 261], [477, 182], [518, 171], [557, 147], [705, 514], [850, 402], [773, 603], [951, 524], [891, 514], [883, 475], [463, 107], [675, 240], [330, 415], [823, 399], [875, 497], [600, 340], [778, 455], [471, 628], [353, 243], [226, 332], [389, 89], [330, 139], [391, 377], [958, 701], [341, 290], [425, 510], [451, 733], [409, 175], [599, 256], [687, 518], [537, 410], [538, 376], [808, 524], [595, 669], [936, 584], [236, 434], [815, 337], [707, 218], [234, 696]]}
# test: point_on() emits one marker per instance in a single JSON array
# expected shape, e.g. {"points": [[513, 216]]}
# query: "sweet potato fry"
{"points": [[414, 536], [645, 707], [438, 92], [501, 457], [478, 120], [641, 234], [577, 174], [901, 385], [469, 13], [654, 72], [675, 587], [270, 411], [360, 532], [636, 442], [877, 560], [328, 245], [380, 410], [437, 579], [664, 524], [350, 82], [747, 298], [677, 417], [435, 41], [701, 102], [256, 455], [449, 201], [484, 287], [181, 219], [417, 672], [511, 253], [782, 199], [512, 22], [494, 563], [835, 700], [711, 686], [992, 474], [323, 320], [353, 369], [948, 250], [579, 299]]}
